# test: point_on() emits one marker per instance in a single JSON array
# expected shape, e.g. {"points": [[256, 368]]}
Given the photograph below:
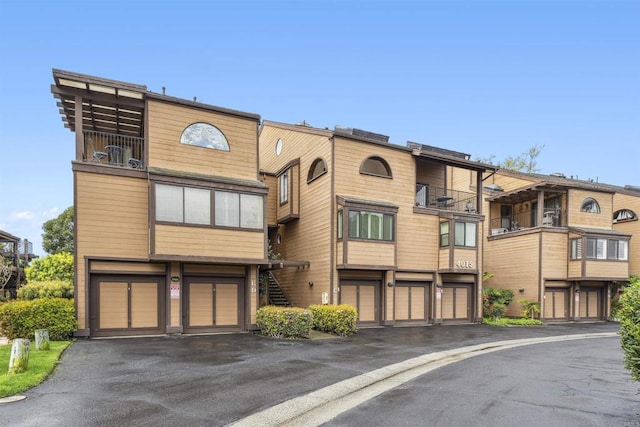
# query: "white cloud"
{"points": [[50, 213], [22, 216]]}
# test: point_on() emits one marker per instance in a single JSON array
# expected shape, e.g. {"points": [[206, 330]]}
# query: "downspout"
{"points": [[332, 240]]}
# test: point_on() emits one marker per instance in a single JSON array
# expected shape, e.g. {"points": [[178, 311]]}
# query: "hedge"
{"points": [[335, 319], [20, 319], [50, 288], [629, 315], [284, 322]]}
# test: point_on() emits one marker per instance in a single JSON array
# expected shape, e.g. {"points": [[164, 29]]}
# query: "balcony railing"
{"points": [[527, 219], [445, 198], [113, 149], [10, 247]]}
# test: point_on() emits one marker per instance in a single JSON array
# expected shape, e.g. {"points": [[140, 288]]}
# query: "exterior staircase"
{"points": [[274, 292]]}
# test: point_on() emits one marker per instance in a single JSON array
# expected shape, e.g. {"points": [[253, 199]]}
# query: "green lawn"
{"points": [[41, 364]]}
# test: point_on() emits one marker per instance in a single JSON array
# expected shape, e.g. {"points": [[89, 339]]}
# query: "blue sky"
{"points": [[481, 77]]}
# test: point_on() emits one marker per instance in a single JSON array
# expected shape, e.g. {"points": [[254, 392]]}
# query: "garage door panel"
{"points": [[367, 303], [349, 295], [589, 304], [417, 303], [113, 305], [200, 304], [555, 304], [402, 303], [456, 302], [592, 304], [123, 305], [447, 303], [462, 303], [144, 305], [226, 304], [213, 304]]}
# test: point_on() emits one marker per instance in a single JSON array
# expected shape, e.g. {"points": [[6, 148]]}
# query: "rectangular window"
{"points": [[340, 224], [169, 203], [197, 206], [284, 187], [227, 209], [370, 225], [444, 234], [576, 248], [601, 245], [465, 234], [607, 249], [251, 211], [190, 205], [617, 249]]}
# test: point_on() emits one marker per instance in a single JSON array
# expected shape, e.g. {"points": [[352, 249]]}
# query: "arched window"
{"points": [[204, 135], [318, 168], [624, 215], [590, 205], [377, 166]]}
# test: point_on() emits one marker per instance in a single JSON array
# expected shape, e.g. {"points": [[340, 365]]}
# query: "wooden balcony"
{"points": [[445, 198], [527, 219], [113, 149]]}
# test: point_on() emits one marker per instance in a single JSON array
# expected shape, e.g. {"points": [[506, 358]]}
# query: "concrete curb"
{"points": [[320, 406]]}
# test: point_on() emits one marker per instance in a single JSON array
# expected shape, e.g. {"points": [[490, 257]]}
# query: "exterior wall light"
{"points": [[310, 284]]}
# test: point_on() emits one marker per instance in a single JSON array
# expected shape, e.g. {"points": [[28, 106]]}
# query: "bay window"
{"points": [[189, 205]]}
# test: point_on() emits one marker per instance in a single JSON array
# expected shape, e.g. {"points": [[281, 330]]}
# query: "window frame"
{"points": [[627, 216], [445, 234], [283, 183], [215, 139], [312, 175], [356, 225], [388, 173], [465, 230], [590, 205], [601, 249], [576, 247], [257, 199]]}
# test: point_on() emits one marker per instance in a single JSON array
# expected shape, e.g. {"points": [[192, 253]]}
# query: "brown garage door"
{"points": [[213, 304], [556, 304], [122, 305], [456, 303], [364, 296], [590, 303], [411, 302]]}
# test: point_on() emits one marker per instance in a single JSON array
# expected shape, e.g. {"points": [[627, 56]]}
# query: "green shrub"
{"points": [[53, 267], [629, 315], [51, 288], [508, 321], [284, 322], [495, 301], [529, 308], [20, 319], [335, 319]]}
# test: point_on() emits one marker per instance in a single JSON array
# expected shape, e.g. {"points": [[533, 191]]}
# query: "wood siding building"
{"points": [[555, 241], [170, 211], [181, 207], [394, 231]]}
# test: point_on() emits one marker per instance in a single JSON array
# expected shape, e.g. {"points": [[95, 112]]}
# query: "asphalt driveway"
{"points": [[219, 379]]}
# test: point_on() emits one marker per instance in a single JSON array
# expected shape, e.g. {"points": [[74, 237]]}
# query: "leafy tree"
{"points": [[58, 233], [52, 267], [629, 315], [525, 162]]}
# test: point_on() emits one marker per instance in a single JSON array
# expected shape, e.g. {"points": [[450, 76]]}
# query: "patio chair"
{"points": [[96, 156], [135, 163]]}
